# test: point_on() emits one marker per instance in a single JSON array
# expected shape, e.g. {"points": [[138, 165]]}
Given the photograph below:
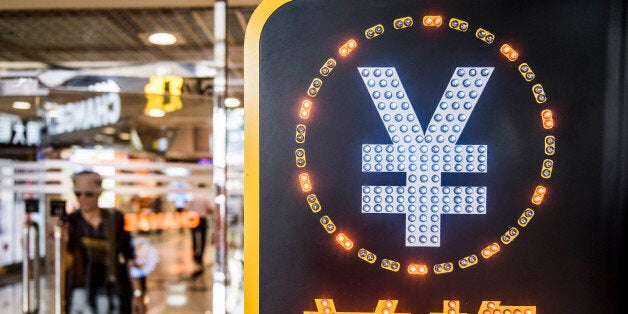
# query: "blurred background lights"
{"points": [[22, 105], [156, 113], [232, 102]]}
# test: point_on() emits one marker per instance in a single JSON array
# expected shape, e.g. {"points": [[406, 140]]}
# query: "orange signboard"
{"points": [[155, 221]]}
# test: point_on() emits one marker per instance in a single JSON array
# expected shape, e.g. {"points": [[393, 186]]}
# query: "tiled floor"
{"points": [[173, 287]]}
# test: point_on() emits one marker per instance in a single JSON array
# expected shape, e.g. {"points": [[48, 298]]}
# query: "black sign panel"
{"points": [[57, 208], [430, 157], [31, 205]]}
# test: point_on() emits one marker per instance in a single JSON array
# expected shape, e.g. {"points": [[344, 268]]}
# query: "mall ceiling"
{"points": [[65, 45], [83, 34]]}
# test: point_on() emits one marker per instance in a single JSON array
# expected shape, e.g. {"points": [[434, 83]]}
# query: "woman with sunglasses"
{"points": [[101, 254]]}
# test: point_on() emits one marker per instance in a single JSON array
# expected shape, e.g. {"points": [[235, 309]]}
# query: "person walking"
{"points": [[101, 254], [201, 205]]}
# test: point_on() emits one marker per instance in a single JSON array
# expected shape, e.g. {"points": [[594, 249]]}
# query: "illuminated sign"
{"points": [[82, 115], [325, 306], [155, 221], [14, 131], [424, 153], [157, 87], [416, 152]]}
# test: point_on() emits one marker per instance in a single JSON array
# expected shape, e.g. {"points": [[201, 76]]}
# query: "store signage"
{"points": [[14, 131], [324, 306], [161, 85], [157, 221], [156, 91], [82, 115], [409, 152]]}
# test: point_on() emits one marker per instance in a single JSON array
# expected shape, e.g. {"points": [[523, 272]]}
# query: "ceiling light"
{"points": [[156, 113], [232, 102], [109, 130], [162, 39], [22, 105], [124, 136]]}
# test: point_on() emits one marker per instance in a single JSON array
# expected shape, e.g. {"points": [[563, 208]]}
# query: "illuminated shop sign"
{"points": [[409, 152], [14, 131], [82, 115], [156, 91], [157, 221]]}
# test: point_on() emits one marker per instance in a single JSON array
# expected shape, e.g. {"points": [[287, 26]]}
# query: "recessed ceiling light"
{"points": [[124, 136], [156, 113], [232, 102], [22, 105], [162, 39]]}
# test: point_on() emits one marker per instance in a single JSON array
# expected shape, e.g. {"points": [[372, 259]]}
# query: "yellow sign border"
{"points": [[251, 151]]}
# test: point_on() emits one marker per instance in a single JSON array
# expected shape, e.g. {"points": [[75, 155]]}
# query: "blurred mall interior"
{"points": [[85, 85]]}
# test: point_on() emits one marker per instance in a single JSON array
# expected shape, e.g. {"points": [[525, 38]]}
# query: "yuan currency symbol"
{"points": [[423, 154]]}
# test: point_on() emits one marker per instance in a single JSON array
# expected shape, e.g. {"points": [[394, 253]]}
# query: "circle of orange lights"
{"points": [[547, 123]]}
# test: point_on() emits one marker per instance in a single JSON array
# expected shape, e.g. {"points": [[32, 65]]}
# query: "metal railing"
{"points": [[31, 273], [58, 285]]}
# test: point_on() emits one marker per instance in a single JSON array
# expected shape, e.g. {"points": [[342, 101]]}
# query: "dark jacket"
{"points": [[99, 257]]}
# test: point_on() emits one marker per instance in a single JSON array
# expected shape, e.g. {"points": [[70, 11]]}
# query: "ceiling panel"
{"points": [[57, 36], [94, 40]]}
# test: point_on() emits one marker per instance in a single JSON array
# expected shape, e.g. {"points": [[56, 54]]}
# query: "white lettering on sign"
{"points": [[13, 131], [424, 154], [6, 129], [33, 133], [19, 137], [91, 113]]}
